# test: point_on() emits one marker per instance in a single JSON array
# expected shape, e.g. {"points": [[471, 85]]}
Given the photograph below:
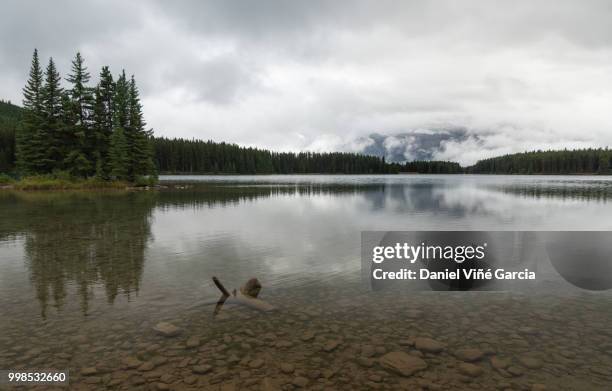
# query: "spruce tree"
{"points": [[120, 150], [52, 128], [80, 93], [121, 111], [103, 121], [79, 137], [29, 146], [141, 149], [604, 163], [100, 157], [119, 159]]}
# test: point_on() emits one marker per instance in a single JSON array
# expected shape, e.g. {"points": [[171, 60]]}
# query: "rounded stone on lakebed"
{"points": [[499, 363], [193, 342], [201, 369], [428, 345], [147, 366], [402, 363], [470, 369], [287, 368], [469, 354], [167, 329], [530, 362], [299, 381], [331, 345], [131, 362], [256, 363]]}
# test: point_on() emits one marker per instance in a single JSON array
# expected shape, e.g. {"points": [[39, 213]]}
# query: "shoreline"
{"points": [[55, 184], [382, 174]]}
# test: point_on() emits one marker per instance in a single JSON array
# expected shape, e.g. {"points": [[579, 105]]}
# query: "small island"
{"points": [[82, 136]]}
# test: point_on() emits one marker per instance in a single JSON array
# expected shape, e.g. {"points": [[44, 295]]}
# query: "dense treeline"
{"points": [[432, 167], [580, 161], [10, 115], [196, 156], [83, 131]]}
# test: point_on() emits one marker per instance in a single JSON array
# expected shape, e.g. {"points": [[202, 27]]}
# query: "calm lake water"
{"points": [[84, 277]]}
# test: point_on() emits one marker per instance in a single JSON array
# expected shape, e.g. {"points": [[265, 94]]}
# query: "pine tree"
{"points": [[28, 146]]}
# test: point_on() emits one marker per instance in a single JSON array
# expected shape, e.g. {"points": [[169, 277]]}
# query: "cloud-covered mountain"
{"points": [[417, 145]]}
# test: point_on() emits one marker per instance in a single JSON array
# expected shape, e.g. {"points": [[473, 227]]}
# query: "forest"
{"points": [[179, 156], [432, 167], [10, 116], [578, 161], [81, 131]]}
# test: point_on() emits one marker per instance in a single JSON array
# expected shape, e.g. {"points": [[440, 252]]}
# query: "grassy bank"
{"points": [[51, 182]]}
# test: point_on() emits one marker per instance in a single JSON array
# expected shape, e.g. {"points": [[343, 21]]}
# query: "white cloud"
{"points": [[323, 75]]}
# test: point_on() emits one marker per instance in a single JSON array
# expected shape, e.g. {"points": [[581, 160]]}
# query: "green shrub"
{"points": [[42, 182], [62, 175], [143, 181], [6, 180], [52, 182]]}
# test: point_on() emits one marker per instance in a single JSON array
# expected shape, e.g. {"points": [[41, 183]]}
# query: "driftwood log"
{"points": [[247, 296]]}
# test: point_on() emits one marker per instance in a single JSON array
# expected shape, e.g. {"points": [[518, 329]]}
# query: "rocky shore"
{"points": [[331, 341]]}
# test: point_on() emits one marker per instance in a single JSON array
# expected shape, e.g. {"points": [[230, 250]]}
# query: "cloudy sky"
{"points": [[457, 80]]}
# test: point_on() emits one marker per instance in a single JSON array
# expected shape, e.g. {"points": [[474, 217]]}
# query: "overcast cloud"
{"points": [[457, 80]]}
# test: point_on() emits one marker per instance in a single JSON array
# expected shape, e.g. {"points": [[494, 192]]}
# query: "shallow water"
{"points": [[84, 277]]}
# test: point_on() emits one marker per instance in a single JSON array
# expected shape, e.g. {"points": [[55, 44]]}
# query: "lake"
{"points": [[86, 276]]}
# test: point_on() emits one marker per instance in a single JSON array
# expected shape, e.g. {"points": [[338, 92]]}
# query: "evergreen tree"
{"points": [[100, 154], [604, 163], [121, 110], [119, 159], [30, 148], [10, 119], [141, 159], [79, 138], [103, 121], [121, 141], [52, 127], [80, 93]]}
